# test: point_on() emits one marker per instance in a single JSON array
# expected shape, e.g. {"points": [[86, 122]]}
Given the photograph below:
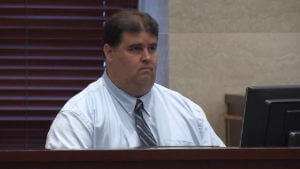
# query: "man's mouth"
{"points": [[146, 68]]}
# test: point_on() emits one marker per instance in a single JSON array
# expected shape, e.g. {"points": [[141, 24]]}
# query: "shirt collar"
{"points": [[147, 101], [124, 99]]}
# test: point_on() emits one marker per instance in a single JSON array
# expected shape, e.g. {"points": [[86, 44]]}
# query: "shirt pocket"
{"points": [[177, 143]]}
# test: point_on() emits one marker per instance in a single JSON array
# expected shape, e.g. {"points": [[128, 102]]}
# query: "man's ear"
{"points": [[108, 51]]}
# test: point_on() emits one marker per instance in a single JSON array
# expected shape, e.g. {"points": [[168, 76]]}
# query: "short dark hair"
{"points": [[128, 20]]}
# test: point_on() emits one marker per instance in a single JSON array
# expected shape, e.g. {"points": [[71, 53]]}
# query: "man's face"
{"points": [[132, 64]]}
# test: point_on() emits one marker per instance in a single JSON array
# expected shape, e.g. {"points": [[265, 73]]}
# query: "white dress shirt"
{"points": [[100, 117]]}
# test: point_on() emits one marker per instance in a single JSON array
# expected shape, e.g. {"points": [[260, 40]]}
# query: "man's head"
{"points": [[130, 43], [128, 20]]}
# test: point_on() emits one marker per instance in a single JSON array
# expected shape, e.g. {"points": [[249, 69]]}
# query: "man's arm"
{"points": [[208, 137], [69, 131]]}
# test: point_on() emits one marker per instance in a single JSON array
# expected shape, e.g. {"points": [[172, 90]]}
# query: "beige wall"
{"points": [[223, 46]]}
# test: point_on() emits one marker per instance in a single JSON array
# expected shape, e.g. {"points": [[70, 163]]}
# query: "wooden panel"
{"points": [[161, 158]]}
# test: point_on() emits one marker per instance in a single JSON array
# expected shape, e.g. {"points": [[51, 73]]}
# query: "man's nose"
{"points": [[146, 55]]}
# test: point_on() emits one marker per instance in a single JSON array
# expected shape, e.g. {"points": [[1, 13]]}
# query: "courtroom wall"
{"points": [[223, 46]]}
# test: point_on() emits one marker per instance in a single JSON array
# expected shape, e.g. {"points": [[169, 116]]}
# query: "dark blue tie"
{"points": [[143, 130]]}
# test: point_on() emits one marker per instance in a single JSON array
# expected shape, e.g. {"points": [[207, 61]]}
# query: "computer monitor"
{"points": [[271, 116]]}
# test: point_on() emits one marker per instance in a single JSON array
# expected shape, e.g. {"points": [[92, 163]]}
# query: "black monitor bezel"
{"points": [[256, 111]]}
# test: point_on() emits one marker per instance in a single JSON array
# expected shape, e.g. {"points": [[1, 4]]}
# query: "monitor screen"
{"points": [[271, 116]]}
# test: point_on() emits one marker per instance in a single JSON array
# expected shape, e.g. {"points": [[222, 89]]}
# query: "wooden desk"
{"points": [[175, 158]]}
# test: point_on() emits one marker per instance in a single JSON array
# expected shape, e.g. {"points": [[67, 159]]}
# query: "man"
{"points": [[125, 108]]}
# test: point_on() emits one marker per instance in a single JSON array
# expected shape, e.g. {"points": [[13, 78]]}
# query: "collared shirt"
{"points": [[101, 117]]}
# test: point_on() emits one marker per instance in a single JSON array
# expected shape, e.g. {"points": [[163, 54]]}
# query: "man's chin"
{"points": [[146, 80]]}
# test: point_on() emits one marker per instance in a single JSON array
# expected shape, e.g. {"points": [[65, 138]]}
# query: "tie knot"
{"points": [[139, 104]]}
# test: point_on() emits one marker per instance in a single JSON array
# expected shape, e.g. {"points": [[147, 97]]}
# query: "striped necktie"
{"points": [[143, 130]]}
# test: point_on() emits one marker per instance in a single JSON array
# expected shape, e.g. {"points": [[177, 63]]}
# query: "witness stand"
{"points": [[154, 158]]}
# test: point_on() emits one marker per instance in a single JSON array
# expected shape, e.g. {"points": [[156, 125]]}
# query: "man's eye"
{"points": [[135, 49], [152, 48]]}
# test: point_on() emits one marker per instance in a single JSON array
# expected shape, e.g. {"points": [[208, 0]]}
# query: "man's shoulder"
{"points": [[87, 96], [164, 91], [174, 96], [176, 101], [92, 89]]}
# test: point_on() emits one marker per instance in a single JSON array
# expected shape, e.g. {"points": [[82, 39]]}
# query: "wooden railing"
{"points": [[156, 158]]}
